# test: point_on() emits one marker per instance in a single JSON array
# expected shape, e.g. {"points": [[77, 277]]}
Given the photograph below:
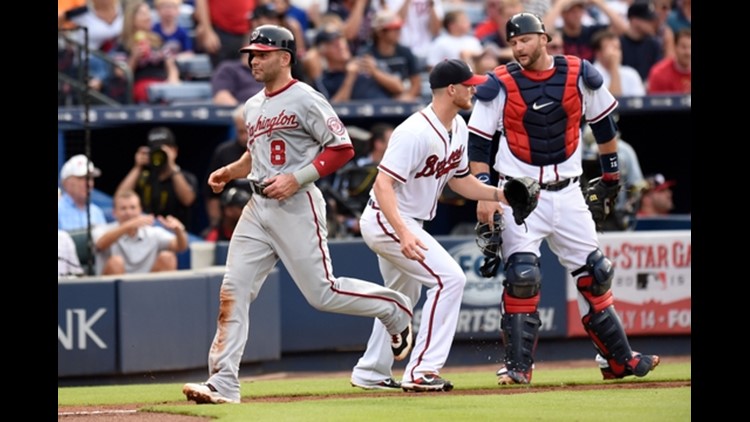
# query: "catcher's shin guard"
{"points": [[520, 336], [520, 322], [602, 323], [606, 331]]}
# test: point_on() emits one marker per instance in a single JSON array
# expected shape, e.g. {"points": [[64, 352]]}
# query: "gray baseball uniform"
{"points": [[287, 130]]}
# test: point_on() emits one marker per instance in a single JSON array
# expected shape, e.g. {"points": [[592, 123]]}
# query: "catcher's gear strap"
{"points": [[606, 331], [523, 277], [604, 130], [520, 335], [479, 149]]}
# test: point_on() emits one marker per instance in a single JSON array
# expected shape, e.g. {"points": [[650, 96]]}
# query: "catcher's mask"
{"points": [[489, 240]]}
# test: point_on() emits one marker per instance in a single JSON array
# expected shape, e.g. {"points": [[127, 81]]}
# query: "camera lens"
{"points": [[157, 158]]}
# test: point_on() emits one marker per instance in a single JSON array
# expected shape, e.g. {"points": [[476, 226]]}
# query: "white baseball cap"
{"points": [[76, 166]]}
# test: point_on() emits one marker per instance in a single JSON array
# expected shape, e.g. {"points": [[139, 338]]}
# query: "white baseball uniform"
{"points": [[422, 156], [287, 130], [562, 217]]}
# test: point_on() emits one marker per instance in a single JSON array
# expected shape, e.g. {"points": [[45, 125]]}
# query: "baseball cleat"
{"points": [[506, 377], [401, 343], [428, 382], [386, 384], [204, 393], [640, 365]]}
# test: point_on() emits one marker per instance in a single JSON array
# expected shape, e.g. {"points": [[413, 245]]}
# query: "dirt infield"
{"points": [[131, 413]]}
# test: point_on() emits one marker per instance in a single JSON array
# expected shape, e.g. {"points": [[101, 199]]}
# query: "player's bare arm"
{"points": [[238, 169], [485, 209], [471, 188], [385, 195]]}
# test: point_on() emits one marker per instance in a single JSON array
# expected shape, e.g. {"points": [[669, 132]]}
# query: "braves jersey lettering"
{"points": [[542, 112], [434, 166]]}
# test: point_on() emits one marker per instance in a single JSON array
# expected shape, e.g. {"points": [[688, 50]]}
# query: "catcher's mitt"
{"points": [[522, 194], [489, 241], [600, 198]]}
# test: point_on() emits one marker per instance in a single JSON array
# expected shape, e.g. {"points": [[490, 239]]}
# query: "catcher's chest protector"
{"points": [[542, 117]]}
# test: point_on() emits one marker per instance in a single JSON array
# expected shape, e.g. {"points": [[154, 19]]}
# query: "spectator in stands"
{"points": [[664, 33], [537, 7], [640, 47], [232, 201], [486, 61], [491, 23], [133, 244], [657, 196], [294, 19], [681, 16], [455, 42], [423, 21], [393, 57], [77, 181], [66, 10], [673, 75], [225, 153], [141, 49], [622, 81], [175, 38], [103, 20], [577, 37], [356, 16], [292, 12], [555, 44], [222, 27], [312, 62], [163, 187], [348, 78], [68, 264], [496, 39]]}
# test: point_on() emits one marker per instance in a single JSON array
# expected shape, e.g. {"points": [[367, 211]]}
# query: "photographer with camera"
{"points": [[164, 188]]}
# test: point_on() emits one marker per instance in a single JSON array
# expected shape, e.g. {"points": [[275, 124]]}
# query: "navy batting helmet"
{"points": [[272, 38], [525, 23]]}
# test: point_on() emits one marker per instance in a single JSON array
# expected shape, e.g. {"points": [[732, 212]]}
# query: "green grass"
{"points": [[569, 402]]}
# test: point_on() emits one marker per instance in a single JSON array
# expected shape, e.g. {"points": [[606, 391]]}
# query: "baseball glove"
{"points": [[489, 241], [522, 195], [600, 198]]}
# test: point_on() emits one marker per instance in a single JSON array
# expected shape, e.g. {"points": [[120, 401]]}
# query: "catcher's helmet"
{"points": [[272, 38], [489, 241], [525, 23]]}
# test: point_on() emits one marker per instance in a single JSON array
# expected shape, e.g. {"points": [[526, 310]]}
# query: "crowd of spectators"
{"points": [[393, 42], [349, 50]]}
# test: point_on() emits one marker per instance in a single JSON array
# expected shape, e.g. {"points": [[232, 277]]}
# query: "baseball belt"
{"points": [[554, 186]]}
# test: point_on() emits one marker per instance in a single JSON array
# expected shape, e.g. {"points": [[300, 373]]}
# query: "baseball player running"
{"points": [[295, 138], [534, 108], [425, 152]]}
